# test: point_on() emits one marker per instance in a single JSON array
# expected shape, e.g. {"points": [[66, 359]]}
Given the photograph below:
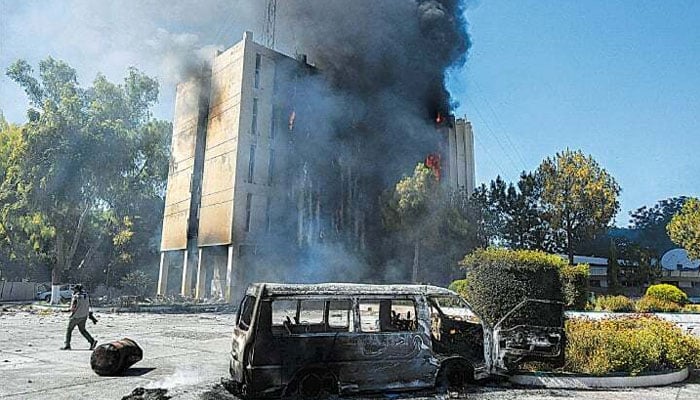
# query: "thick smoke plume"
{"points": [[369, 113]]}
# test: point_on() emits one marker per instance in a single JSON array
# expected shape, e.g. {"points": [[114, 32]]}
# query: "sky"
{"points": [[619, 80]]}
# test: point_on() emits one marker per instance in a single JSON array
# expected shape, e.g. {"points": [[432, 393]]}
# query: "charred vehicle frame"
{"points": [[309, 339]]}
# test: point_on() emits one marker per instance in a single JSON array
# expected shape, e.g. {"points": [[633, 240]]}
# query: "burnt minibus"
{"points": [[308, 340]]}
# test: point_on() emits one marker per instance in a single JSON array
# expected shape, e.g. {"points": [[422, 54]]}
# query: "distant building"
{"points": [[679, 270], [599, 280], [237, 183]]}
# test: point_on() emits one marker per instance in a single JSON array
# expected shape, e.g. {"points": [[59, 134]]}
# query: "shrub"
{"points": [[614, 304], [691, 308], [652, 304], [499, 279], [631, 344], [459, 286], [664, 291], [574, 282], [136, 283]]}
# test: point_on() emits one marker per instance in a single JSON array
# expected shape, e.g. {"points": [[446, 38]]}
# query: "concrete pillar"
{"points": [[186, 287], [229, 274], [163, 275], [469, 151], [201, 277], [461, 155]]}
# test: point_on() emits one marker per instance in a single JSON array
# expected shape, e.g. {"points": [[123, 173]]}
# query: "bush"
{"points": [[691, 308], [652, 304], [667, 292], [628, 344], [574, 282], [459, 286], [614, 304], [499, 279], [136, 283]]}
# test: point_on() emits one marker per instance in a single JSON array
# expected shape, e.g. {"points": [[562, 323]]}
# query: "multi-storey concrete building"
{"points": [[233, 169]]}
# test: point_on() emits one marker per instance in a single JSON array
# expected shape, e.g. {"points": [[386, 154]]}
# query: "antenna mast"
{"points": [[270, 21]]}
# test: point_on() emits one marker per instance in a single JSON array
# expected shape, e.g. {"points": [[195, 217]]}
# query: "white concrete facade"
{"points": [[460, 164]]}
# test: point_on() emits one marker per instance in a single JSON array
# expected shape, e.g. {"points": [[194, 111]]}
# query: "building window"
{"points": [[270, 166], [267, 214], [254, 124], [258, 61], [248, 206], [273, 124], [251, 164]]}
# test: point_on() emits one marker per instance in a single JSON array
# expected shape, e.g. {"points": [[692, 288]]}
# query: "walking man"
{"points": [[79, 309]]}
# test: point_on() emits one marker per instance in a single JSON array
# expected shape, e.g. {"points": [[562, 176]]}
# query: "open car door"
{"points": [[532, 331]]}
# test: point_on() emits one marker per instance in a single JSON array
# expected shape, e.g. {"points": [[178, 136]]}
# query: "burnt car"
{"points": [[307, 340]]}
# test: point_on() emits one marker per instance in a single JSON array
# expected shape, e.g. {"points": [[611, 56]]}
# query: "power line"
{"points": [[490, 130], [498, 121]]}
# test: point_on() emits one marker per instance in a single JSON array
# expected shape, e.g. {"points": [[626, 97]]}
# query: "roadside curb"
{"points": [[559, 381]]}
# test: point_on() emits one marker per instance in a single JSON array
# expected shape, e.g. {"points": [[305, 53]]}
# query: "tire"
{"points": [[453, 377], [313, 385], [47, 299]]}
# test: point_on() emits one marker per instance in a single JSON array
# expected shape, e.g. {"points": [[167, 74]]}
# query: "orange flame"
{"points": [[439, 118]]}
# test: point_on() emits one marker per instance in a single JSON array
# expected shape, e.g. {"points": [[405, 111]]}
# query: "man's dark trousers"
{"points": [[80, 323]]}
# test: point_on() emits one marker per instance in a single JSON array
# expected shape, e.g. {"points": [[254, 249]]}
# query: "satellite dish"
{"points": [[678, 259]]}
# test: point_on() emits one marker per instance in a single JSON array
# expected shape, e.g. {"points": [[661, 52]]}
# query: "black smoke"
{"points": [[365, 116]]}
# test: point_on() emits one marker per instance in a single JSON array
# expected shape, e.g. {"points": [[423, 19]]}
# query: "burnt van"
{"points": [[316, 339]]}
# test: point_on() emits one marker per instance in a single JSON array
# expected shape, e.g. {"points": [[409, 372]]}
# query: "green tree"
{"points": [[431, 220], [514, 215], [414, 200], [684, 228], [649, 224], [93, 155], [579, 197], [613, 269]]}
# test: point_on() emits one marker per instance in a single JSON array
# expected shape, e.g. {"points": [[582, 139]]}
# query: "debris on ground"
{"points": [[147, 394], [116, 357], [221, 391]]}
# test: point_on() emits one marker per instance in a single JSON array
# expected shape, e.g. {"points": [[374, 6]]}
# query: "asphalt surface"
{"points": [[187, 355]]}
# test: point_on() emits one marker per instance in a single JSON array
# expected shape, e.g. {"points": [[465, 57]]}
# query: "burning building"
{"points": [[257, 189]]}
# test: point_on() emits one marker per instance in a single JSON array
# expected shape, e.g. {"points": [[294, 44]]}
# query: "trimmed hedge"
{"points": [[499, 279], [614, 304], [666, 292], [649, 304], [574, 281], [631, 344]]}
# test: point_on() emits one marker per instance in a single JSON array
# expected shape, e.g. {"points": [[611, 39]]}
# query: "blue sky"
{"points": [[617, 79]]}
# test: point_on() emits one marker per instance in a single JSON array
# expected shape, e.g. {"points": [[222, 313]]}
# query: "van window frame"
{"points": [[247, 299], [376, 298], [353, 328]]}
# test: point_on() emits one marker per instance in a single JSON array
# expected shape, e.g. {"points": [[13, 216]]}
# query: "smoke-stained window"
{"points": [[258, 61], [254, 124], [248, 207], [251, 164], [270, 166]]}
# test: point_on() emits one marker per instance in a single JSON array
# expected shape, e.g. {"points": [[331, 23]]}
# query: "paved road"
{"points": [[186, 354]]}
